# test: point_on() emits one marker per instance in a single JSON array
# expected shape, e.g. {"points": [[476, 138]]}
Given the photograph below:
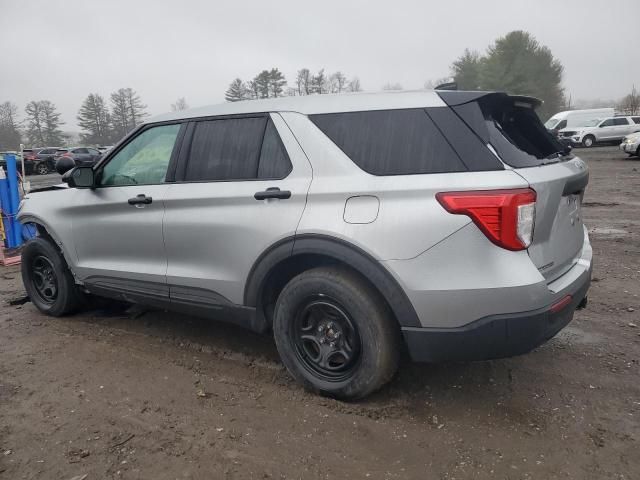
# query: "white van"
{"points": [[574, 118]]}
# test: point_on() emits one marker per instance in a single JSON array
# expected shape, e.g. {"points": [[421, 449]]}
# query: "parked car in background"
{"points": [[573, 118], [348, 225], [43, 158], [607, 130], [82, 156], [631, 144], [104, 149]]}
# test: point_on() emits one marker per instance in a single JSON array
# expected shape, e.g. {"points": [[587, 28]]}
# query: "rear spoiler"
{"points": [[454, 98]]}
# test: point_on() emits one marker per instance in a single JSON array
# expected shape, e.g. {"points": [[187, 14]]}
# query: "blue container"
{"points": [[14, 200], [4, 206]]}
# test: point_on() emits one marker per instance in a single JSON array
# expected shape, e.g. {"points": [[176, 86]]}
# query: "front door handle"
{"points": [[141, 199], [272, 192]]}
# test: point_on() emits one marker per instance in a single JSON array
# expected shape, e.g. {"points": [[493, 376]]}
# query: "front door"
{"points": [[118, 225], [243, 187]]}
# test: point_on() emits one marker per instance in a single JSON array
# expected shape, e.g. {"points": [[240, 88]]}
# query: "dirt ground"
{"points": [[152, 395]]}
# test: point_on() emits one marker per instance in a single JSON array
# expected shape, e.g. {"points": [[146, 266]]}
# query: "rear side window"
{"points": [[236, 149], [636, 119], [620, 121], [274, 161], [391, 142]]}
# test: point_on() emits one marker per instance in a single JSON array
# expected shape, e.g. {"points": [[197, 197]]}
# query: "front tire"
{"points": [[47, 279], [589, 141], [42, 168], [334, 333]]}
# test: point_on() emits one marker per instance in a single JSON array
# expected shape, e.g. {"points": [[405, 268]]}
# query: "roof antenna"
{"points": [[447, 86]]}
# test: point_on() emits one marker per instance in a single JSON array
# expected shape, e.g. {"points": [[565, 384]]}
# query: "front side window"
{"points": [[607, 123], [236, 149], [80, 151], [636, 119], [144, 160]]}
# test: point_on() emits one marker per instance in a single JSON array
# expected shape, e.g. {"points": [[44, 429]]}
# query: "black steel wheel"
{"points": [[44, 279], [48, 280], [326, 339], [335, 334]]}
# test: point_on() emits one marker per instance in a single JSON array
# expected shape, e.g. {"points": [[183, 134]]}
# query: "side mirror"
{"points": [[64, 164], [79, 177]]}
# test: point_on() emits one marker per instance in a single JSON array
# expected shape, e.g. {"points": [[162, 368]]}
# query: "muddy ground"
{"points": [[151, 395]]}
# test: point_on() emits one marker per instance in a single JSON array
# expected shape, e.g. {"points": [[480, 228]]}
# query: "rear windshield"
{"points": [[513, 129]]}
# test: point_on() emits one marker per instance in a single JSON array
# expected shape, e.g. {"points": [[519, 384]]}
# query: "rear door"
{"points": [[511, 128], [621, 127], [241, 186]]}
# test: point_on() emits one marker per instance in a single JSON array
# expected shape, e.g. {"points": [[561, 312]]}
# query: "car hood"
{"points": [[634, 137]]}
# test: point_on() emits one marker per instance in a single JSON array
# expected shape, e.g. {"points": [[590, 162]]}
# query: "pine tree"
{"points": [[94, 118], [127, 111], [277, 83], [518, 64], [262, 83], [237, 91]]}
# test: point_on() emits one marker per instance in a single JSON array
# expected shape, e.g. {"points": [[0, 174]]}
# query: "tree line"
{"points": [[102, 123], [515, 63], [272, 83]]}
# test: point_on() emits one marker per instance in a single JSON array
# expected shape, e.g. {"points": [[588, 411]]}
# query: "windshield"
{"points": [[551, 123]]}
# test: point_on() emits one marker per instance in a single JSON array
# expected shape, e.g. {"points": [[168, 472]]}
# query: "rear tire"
{"points": [[48, 280], [589, 141], [334, 333]]}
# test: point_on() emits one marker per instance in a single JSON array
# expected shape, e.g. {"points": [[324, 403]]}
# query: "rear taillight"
{"points": [[506, 217]]}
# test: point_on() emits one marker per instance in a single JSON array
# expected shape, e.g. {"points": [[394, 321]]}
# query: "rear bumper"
{"points": [[495, 336]]}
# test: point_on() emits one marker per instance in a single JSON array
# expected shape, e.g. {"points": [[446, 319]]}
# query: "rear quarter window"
{"points": [[391, 142]]}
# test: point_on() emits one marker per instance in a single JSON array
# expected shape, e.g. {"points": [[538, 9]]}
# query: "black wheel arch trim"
{"points": [[342, 251]]}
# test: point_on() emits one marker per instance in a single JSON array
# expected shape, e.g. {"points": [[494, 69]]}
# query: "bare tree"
{"points": [[337, 82], [43, 123], [303, 81], [630, 104], [354, 85], [319, 82], [392, 86], [433, 83], [181, 104], [10, 136]]}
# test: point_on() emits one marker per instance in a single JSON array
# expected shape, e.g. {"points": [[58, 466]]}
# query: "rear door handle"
{"points": [[272, 192], [141, 199]]}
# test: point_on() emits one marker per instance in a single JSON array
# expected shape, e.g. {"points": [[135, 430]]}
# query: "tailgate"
{"points": [[558, 233]]}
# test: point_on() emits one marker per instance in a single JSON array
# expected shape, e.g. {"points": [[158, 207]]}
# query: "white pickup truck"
{"points": [[609, 129]]}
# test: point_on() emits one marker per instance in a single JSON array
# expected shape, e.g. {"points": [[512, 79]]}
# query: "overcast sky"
{"points": [[61, 50]]}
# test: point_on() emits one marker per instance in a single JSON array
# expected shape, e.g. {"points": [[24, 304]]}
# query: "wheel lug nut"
{"points": [[332, 344]]}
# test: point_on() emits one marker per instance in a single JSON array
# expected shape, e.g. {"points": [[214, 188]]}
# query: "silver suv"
{"points": [[350, 226], [605, 130]]}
